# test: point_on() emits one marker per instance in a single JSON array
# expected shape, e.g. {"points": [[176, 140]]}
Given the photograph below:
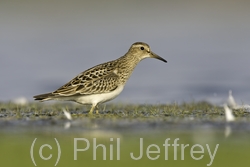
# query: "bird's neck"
{"points": [[127, 64], [129, 61]]}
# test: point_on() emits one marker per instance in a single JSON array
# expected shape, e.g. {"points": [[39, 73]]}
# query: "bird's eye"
{"points": [[142, 48]]}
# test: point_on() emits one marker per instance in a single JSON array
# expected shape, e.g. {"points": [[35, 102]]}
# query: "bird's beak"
{"points": [[153, 55]]}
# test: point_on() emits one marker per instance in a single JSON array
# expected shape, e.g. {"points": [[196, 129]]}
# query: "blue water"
{"points": [[44, 45]]}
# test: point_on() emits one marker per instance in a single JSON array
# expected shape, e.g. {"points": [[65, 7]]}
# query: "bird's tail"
{"points": [[44, 97]]}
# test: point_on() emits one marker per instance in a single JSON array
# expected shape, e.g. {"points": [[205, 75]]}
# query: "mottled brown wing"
{"points": [[101, 85], [92, 81]]}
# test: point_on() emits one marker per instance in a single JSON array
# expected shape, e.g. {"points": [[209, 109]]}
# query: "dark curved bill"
{"points": [[153, 55]]}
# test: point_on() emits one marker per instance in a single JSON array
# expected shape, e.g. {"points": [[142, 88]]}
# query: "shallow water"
{"points": [[123, 133], [130, 137]]}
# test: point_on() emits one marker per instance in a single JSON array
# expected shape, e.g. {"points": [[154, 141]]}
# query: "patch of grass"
{"points": [[193, 110]]}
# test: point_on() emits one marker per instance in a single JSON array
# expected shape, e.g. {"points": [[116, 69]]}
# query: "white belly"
{"points": [[99, 98]]}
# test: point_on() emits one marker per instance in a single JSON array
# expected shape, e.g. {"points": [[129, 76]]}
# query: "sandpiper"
{"points": [[103, 82]]}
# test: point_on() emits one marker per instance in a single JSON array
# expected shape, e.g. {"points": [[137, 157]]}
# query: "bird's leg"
{"points": [[97, 108], [92, 109]]}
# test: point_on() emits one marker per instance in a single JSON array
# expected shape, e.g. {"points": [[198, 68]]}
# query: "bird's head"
{"points": [[142, 50]]}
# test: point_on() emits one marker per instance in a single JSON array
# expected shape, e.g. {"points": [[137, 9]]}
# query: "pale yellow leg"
{"points": [[92, 109], [96, 111]]}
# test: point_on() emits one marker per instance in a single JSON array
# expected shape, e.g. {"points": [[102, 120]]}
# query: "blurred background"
{"points": [[44, 44]]}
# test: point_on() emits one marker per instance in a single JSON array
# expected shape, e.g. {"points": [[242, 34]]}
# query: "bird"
{"points": [[102, 82]]}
